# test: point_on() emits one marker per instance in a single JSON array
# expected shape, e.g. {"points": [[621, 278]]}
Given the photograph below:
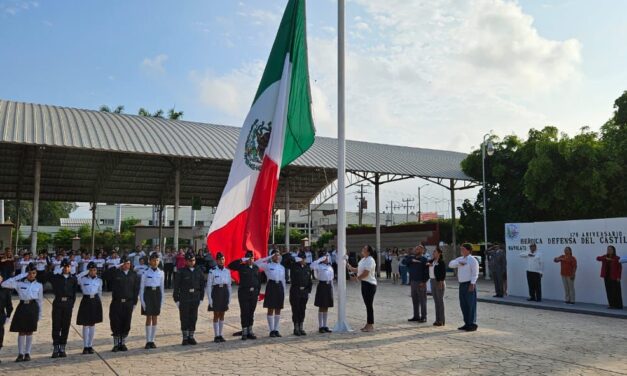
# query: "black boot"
{"points": [[116, 344], [55, 352], [185, 338], [250, 334], [244, 333], [296, 329], [191, 339], [62, 353], [302, 331]]}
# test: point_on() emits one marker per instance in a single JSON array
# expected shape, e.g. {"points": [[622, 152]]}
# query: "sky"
{"points": [[435, 74]]}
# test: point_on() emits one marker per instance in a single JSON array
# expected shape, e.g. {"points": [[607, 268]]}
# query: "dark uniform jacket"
{"points": [[189, 286], [123, 286], [6, 306], [63, 287], [300, 276], [248, 276], [418, 269]]}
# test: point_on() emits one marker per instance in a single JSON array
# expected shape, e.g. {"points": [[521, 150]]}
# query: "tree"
{"points": [[174, 115], [117, 110], [49, 211], [295, 235]]}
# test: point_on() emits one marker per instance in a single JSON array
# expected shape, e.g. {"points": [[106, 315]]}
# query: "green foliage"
{"points": [[128, 224], [49, 211], [550, 176], [359, 226], [324, 239], [279, 235]]}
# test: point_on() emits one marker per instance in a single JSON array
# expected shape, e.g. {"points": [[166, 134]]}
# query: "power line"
{"points": [[406, 205], [362, 203]]}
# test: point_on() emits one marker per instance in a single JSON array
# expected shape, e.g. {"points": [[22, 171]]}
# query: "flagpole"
{"points": [[341, 325]]}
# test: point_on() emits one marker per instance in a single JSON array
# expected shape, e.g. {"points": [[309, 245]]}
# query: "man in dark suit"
{"points": [[188, 292], [418, 277]]}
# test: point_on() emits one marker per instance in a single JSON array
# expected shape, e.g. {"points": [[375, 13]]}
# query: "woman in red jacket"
{"points": [[610, 271]]}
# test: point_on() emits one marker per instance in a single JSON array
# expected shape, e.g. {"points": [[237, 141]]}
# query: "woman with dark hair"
{"points": [[365, 272], [568, 268], [437, 275], [611, 270]]}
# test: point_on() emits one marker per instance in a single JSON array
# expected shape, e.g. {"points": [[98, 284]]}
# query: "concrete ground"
{"points": [[510, 341]]}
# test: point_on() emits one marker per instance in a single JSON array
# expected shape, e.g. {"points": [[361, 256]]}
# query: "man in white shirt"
{"points": [[467, 274], [535, 265]]}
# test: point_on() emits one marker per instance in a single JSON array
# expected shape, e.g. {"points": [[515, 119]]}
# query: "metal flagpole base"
{"points": [[342, 327]]}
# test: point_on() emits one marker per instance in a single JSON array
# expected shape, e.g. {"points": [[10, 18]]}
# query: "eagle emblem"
{"points": [[256, 143]]}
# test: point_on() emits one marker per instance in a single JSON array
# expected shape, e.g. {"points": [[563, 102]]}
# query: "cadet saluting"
{"points": [[189, 285], [152, 296], [29, 311], [324, 291], [275, 289], [300, 273], [124, 285], [90, 309], [219, 295], [64, 286], [6, 308], [248, 292]]}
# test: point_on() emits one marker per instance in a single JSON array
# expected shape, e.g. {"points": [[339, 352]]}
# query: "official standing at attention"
{"points": [[6, 308], [248, 292], [498, 267], [418, 277], [152, 296], [90, 309], [324, 292], [299, 290], [124, 285], [189, 290], [275, 289], [467, 275], [29, 311], [64, 286], [219, 295], [535, 266]]}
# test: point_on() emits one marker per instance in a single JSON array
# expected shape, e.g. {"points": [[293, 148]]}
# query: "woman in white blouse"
{"points": [[365, 270]]}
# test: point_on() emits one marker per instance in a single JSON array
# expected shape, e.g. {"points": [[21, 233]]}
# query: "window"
{"points": [[107, 222], [180, 222], [199, 223]]}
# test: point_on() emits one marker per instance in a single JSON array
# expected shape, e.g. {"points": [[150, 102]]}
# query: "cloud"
{"points": [[154, 65], [261, 16], [13, 7]]}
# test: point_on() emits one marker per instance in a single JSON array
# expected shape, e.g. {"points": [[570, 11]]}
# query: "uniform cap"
{"points": [[91, 265], [124, 259], [190, 256], [154, 255], [30, 267], [65, 262], [219, 255], [249, 254]]}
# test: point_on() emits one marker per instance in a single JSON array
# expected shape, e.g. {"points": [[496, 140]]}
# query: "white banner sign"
{"points": [[587, 238]]}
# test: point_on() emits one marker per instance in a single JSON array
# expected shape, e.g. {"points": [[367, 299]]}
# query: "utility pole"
{"points": [[362, 204], [391, 208], [406, 205], [419, 206]]}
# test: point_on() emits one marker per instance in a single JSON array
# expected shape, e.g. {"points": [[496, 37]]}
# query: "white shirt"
{"points": [[41, 264], [23, 264], [308, 257], [141, 269], [57, 266], [113, 262], [324, 272], [432, 270], [467, 269], [100, 262], [151, 278], [369, 264], [534, 261], [73, 266], [90, 286], [136, 256], [216, 277], [274, 271], [26, 290]]}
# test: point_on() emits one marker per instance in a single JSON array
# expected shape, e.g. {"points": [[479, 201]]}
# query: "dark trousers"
{"points": [[468, 303], [419, 299], [388, 269], [497, 277], [367, 292], [168, 271], [248, 304], [534, 281], [188, 313], [61, 321], [299, 305], [2, 321], [120, 315], [614, 294]]}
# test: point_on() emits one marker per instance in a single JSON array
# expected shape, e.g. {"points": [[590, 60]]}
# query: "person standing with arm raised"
{"points": [[568, 268], [275, 289], [535, 267], [611, 270], [467, 275], [248, 292], [365, 272]]}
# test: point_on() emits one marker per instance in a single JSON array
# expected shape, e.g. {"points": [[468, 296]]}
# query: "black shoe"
{"points": [[216, 340], [85, 351], [192, 341], [90, 350], [55, 355], [272, 334], [251, 336], [302, 332], [123, 347], [463, 327], [62, 354], [277, 334], [497, 296], [147, 347], [327, 330], [296, 332], [422, 320], [530, 299], [26, 357], [222, 339], [321, 330], [115, 349], [185, 342], [538, 300], [152, 345], [20, 358], [414, 319], [237, 334], [472, 328]]}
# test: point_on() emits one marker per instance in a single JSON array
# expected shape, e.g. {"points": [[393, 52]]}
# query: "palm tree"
{"points": [[174, 115], [118, 109]]}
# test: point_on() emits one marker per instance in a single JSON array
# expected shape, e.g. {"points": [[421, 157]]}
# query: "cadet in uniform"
{"points": [[219, 295], [189, 285], [42, 264], [152, 296], [90, 309], [248, 292], [64, 286], [275, 289], [324, 291], [299, 290], [124, 285], [6, 308], [29, 311], [141, 266]]}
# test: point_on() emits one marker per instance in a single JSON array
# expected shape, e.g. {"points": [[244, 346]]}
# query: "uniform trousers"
{"points": [[120, 315], [298, 301], [248, 304], [497, 277], [534, 282], [419, 299], [188, 313], [61, 320]]}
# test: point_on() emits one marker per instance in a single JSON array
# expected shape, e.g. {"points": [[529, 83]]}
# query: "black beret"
{"points": [[30, 267], [249, 254], [190, 256], [154, 255], [65, 262], [219, 255], [124, 259], [91, 265]]}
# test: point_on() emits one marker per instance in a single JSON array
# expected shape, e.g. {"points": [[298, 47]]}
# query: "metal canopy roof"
{"points": [[90, 155]]}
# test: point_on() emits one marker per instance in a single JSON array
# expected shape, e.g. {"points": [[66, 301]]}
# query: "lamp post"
{"points": [[487, 144], [419, 206]]}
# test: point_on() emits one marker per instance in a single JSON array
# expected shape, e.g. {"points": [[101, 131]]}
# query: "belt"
{"points": [[122, 300], [327, 282], [93, 296], [26, 301], [220, 285], [192, 290], [272, 280], [302, 287], [153, 288], [63, 298]]}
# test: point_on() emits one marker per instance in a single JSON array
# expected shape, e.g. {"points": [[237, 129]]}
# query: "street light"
{"points": [[419, 207], [486, 147]]}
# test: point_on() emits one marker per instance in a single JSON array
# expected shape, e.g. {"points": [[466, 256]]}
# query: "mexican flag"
{"points": [[278, 129]]}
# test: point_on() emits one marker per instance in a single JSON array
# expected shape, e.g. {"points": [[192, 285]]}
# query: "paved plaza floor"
{"points": [[510, 341]]}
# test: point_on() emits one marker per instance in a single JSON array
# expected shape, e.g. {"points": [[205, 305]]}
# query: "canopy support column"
{"points": [[377, 223], [177, 194], [93, 208], [453, 232], [36, 189], [287, 214]]}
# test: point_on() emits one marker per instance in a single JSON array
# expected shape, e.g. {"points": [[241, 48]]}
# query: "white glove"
{"points": [[177, 304]]}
